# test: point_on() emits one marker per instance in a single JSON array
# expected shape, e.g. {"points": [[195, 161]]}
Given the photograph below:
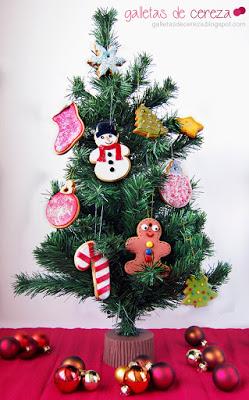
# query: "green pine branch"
{"points": [[104, 19]]}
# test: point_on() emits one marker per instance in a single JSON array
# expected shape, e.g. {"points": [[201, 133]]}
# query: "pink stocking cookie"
{"points": [[71, 128], [146, 246]]}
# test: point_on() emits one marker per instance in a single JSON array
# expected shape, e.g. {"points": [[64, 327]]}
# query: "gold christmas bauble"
{"points": [[194, 357], [119, 374], [91, 380]]}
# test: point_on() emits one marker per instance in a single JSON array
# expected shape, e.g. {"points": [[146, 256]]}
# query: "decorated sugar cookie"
{"points": [[147, 124], [63, 208], [110, 158], [177, 190], [106, 60], [189, 126], [198, 291], [87, 255], [146, 246], [71, 128]]}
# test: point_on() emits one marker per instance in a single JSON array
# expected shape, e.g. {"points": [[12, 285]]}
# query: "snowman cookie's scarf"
{"points": [[103, 149]]}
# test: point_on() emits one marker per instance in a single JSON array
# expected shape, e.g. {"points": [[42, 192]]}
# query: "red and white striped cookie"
{"points": [[87, 255]]}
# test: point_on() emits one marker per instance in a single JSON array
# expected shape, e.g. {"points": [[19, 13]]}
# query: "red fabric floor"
{"points": [[33, 379]]}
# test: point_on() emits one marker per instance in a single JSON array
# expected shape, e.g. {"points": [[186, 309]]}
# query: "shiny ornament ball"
{"points": [[194, 336], [226, 377], [137, 378], [30, 351], [194, 357], [74, 361], [125, 390], [42, 341], [119, 374], [23, 339], [91, 380], [9, 348], [67, 379], [162, 375], [144, 361], [213, 356]]}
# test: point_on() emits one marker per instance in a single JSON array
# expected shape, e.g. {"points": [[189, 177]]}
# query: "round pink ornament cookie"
{"points": [[177, 190], [63, 208]]}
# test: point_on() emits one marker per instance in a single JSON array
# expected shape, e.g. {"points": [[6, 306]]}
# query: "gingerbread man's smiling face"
{"points": [[149, 228]]}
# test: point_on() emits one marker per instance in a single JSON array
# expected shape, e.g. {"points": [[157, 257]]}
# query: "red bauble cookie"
{"points": [[177, 190], [71, 128], [63, 208]]}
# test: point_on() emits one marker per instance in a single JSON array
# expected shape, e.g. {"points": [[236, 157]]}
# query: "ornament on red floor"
{"points": [[194, 357], [23, 339], [213, 356], [31, 350], [90, 380], [226, 377], [143, 361], [71, 128], [42, 341], [162, 375], [119, 373], [67, 379], [189, 126], [147, 124], [195, 336], [9, 347], [198, 292], [125, 390], [63, 208], [105, 60], [110, 158], [74, 361], [87, 255], [176, 191], [137, 379], [146, 246]]}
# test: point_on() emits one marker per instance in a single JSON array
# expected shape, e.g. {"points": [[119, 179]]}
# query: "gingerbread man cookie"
{"points": [[146, 246]]}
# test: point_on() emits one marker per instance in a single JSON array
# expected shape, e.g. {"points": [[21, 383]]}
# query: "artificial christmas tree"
{"points": [[111, 208]]}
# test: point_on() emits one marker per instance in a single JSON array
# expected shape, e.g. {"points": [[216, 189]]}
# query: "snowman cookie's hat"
{"points": [[105, 127]]}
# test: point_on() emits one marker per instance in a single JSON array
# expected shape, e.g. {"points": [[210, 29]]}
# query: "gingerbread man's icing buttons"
{"points": [[146, 246]]}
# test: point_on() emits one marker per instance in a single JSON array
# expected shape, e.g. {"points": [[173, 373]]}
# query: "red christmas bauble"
{"points": [[9, 347], [137, 378], [226, 377], [162, 375], [143, 361], [67, 379], [31, 350], [194, 336], [42, 341], [74, 361], [213, 356], [23, 339]]}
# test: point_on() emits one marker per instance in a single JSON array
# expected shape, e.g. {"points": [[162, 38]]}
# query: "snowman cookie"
{"points": [[146, 246], [110, 158]]}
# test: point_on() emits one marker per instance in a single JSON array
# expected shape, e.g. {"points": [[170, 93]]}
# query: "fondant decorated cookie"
{"points": [[146, 246], [63, 208], [71, 128], [176, 190], [87, 255], [106, 60], [110, 158], [189, 126], [147, 124]]}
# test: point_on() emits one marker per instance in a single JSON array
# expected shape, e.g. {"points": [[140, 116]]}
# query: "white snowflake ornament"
{"points": [[105, 60]]}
